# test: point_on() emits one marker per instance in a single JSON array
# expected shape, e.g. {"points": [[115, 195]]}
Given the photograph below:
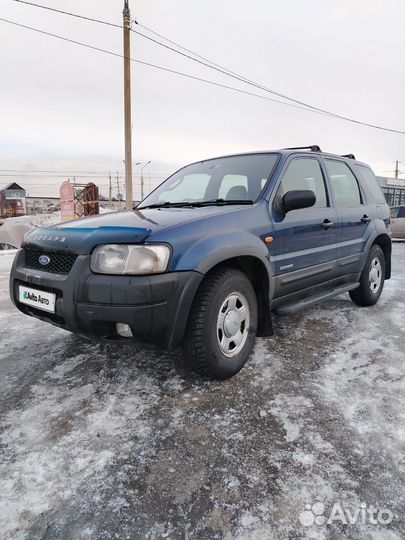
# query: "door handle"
{"points": [[327, 224], [365, 219]]}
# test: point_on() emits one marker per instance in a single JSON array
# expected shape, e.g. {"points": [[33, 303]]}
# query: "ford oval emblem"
{"points": [[44, 260]]}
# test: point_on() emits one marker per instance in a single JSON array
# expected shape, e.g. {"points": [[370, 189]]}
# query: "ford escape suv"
{"points": [[205, 259]]}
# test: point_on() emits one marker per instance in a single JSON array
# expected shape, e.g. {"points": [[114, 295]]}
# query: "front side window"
{"points": [[230, 178], [304, 173], [345, 188]]}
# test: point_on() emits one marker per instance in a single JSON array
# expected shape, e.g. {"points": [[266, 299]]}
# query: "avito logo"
{"points": [[34, 298], [30, 296], [314, 514]]}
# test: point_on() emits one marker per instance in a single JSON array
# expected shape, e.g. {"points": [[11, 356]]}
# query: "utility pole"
{"points": [[142, 182], [127, 105], [110, 188], [119, 197], [397, 169]]}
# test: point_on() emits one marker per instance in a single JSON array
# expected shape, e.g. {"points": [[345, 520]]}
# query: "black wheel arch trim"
{"points": [[383, 239], [241, 256]]}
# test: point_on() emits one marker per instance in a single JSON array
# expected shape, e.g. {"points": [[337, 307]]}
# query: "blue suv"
{"points": [[205, 259]]}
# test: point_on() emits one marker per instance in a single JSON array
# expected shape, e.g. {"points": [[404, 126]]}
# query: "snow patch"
{"points": [[291, 411], [63, 436]]}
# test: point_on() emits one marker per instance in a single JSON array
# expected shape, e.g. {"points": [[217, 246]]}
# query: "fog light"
{"points": [[123, 330]]}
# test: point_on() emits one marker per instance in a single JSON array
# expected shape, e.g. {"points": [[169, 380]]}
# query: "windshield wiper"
{"points": [[222, 202], [166, 204], [196, 204]]}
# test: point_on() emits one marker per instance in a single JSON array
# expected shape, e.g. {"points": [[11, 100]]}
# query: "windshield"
{"points": [[237, 178]]}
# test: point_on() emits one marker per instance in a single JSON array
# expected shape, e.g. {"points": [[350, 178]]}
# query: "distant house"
{"points": [[42, 205], [113, 204], [12, 201]]}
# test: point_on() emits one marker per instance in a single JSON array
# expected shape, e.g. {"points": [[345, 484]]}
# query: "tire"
{"points": [[222, 324], [371, 279]]}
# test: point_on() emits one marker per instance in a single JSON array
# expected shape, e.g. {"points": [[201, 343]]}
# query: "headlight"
{"points": [[124, 259]]}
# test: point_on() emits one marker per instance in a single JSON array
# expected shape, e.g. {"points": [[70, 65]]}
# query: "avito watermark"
{"points": [[316, 514]]}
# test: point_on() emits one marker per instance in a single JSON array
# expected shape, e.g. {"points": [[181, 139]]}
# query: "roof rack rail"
{"points": [[350, 156], [313, 148]]}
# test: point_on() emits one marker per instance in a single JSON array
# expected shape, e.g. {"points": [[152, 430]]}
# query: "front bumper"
{"points": [[155, 307]]}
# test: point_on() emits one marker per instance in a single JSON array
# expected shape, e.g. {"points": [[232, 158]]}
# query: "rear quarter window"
{"points": [[370, 183], [345, 188]]}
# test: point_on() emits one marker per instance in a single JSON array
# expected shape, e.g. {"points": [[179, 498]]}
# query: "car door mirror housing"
{"points": [[298, 198]]}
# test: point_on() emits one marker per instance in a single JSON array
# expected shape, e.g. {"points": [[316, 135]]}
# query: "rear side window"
{"points": [[371, 183], [345, 188], [304, 173]]}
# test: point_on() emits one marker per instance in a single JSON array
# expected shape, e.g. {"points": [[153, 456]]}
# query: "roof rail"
{"points": [[313, 148], [350, 156]]}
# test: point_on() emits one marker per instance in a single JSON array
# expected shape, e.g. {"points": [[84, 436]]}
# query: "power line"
{"points": [[183, 48], [20, 175], [72, 171], [217, 67], [48, 8], [108, 23], [99, 49], [212, 65], [56, 174], [299, 104], [245, 80]]}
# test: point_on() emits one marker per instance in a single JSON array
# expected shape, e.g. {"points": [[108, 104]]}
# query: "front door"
{"points": [[303, 251]]}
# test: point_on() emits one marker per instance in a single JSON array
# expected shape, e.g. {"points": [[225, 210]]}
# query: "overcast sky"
{"points": [[61, 105]]}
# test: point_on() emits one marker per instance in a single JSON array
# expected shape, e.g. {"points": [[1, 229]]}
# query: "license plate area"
{"points": [[43, 300]]}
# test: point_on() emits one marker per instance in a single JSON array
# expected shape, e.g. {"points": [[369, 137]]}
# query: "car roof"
{"points": [[286, 152]]}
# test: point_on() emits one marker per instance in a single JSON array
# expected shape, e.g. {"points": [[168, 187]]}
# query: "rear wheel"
{"points": [[371, 279], [223, 324]]}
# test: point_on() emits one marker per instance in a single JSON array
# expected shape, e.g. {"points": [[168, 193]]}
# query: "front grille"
{"points": [[59, 263]]}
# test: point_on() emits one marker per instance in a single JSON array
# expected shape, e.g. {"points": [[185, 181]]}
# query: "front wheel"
{"points": [[371, 279], [223, 324]]}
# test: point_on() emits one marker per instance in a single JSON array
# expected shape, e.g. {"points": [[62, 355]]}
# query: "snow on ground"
{"points": [[12, 230], [114, 443]]}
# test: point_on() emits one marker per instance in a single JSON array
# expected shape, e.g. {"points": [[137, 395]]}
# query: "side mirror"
{"points": [[298, 198]]}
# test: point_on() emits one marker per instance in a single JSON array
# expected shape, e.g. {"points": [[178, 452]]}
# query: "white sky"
{"points": [[61, 106]]}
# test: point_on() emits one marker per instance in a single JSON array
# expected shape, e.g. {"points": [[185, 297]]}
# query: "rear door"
{"points": [[303, 252], [355, 215]]}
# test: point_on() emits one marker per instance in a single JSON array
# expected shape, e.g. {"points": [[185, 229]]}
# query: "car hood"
{"points": [[129, 226]]}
